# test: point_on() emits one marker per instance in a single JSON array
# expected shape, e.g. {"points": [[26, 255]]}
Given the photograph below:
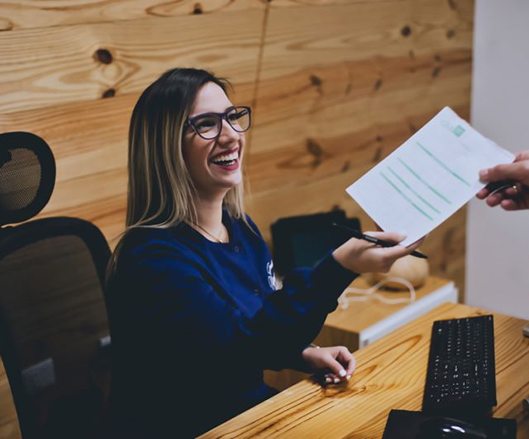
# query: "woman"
{"points": [[194, 310]]}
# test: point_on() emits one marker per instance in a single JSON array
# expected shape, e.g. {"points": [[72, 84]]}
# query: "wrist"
{"points": [[305, 353]]}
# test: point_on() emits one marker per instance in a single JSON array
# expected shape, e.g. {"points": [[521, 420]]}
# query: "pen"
{"points": [[359, 235]]}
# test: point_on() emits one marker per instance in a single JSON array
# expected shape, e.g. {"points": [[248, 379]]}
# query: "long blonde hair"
{"points": [[161, 192]]}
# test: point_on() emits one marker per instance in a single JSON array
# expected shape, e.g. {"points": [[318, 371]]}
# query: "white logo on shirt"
{"points": [[272, 281]]}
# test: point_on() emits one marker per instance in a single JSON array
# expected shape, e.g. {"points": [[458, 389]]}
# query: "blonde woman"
{"points": [[194, 309]]}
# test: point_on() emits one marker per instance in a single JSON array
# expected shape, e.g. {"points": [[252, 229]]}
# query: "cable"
{"points": [[364, 294]]}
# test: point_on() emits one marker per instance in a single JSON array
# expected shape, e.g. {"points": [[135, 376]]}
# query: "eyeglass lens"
{"points": [[208, 126]]}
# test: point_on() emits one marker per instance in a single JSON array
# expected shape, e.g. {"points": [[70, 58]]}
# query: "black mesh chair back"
{"points": [[27, 176], [53, 321]]}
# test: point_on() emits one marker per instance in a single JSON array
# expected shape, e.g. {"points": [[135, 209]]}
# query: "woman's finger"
{"points": [[347, 360], [387, 236], [335, 367]]}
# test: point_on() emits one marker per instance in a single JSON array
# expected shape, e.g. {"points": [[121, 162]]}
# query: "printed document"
{"points": [[428, 178]]}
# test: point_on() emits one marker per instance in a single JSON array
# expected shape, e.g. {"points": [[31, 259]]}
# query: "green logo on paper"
{"points": [[458, 130]]}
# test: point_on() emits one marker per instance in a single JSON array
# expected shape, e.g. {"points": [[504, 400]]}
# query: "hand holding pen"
{"points": [[361, 256], [383, 243], [508, 184]]}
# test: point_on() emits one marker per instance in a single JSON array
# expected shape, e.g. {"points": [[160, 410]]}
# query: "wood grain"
{"points": [[390, 374], [19, 14], [327, 34], [344, 87], [49, 66], [336, 85], [89, 141], [8, 416], [343, 326]]}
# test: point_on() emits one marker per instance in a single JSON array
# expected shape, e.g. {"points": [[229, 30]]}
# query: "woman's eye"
{"points": [[236, 115], [205, 124]]}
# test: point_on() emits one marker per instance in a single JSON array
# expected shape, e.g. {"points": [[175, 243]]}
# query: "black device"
{"points": [[461, 376], [444, 427], [302, 240], [405, 424]]}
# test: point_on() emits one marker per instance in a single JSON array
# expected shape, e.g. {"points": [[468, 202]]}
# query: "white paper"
{"points": [[428, 178]]}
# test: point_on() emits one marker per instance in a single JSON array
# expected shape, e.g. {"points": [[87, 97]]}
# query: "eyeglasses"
{"points": [[209, 125]]}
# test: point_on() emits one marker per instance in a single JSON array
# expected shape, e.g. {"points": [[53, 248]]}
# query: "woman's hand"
{"points": [[336, 363], [362, 256]]}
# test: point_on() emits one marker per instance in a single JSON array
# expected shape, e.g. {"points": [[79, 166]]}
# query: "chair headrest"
{"points": [[27, 176]]}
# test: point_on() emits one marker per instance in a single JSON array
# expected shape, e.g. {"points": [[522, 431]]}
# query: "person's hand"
{"points": [[336, 363], [362, 256], [516, 196]]}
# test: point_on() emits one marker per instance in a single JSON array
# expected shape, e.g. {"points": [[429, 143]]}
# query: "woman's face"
{"points": [[214, 165]]}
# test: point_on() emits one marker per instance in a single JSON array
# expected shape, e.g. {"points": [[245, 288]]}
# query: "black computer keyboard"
{"points": [[461, 378]]}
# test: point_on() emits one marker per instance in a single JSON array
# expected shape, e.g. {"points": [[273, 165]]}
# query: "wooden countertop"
{"points": [[370, 312], [8, 416], [390, 374]]}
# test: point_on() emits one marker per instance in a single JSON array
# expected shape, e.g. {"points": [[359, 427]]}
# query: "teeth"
{"points": [[226, 157]]}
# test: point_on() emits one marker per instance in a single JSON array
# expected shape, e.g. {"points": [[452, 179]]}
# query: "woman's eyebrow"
{"points": [[212, 112]]}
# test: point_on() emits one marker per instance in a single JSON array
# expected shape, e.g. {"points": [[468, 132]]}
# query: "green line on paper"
{"points": [[443, 165], [435, 191], [405, 196], [413, 190]]}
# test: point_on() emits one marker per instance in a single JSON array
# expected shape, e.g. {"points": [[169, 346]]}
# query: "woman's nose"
{"points": [[227, 133]]}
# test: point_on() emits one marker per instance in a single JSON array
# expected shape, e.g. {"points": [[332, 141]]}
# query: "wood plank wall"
{"points": [[336, 85]]}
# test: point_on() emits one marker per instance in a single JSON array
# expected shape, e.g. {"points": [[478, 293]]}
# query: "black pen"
{"points": [[359, 235]]}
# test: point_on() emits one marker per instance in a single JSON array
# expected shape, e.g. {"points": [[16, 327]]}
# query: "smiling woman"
{"points": [[213, 145], [194, 310]]}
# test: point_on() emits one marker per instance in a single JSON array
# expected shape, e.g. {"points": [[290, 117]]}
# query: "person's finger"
{"points": [[509, 204], [483, 193], [494, 199], [388, 236], [347, 360], [351, 367], [514, 190], [335, 367], [329, 378], [394, 237], [512, 171], [524, 155], [399, 251]]}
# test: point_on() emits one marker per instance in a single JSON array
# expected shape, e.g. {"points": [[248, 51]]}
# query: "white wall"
{"points": [[498, 241]]}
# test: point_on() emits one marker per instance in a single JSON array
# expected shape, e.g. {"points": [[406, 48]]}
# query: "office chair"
{"points": [[53, 321]]}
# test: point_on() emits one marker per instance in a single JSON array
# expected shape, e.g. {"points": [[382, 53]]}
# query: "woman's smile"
{"points": [[226, 160]]}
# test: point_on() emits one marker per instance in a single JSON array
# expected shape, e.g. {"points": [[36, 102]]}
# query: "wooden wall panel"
{"points": [[49, 66], [89, 136], [8, 417], [20, 14], [336, 86], [342, 84]]}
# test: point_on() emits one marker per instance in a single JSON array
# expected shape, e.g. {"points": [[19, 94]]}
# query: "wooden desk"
{"points": [[364, 322], [8, 416], [390, 374]]}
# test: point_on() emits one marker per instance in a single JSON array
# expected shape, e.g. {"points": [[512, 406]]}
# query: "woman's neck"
{"points": [[209, 219], [209, 213]]}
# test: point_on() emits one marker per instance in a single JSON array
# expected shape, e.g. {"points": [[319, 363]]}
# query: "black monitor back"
{"points": [[301, 241]]}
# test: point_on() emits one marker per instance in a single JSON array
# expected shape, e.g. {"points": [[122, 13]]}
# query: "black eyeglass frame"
{"points": [[190, 122]]}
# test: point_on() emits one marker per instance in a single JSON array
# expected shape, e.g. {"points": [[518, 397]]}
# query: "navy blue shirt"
{"points": [[194, 323]]}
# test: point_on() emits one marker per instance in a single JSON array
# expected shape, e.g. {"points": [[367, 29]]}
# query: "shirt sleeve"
{"points": [[174, 299]]}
